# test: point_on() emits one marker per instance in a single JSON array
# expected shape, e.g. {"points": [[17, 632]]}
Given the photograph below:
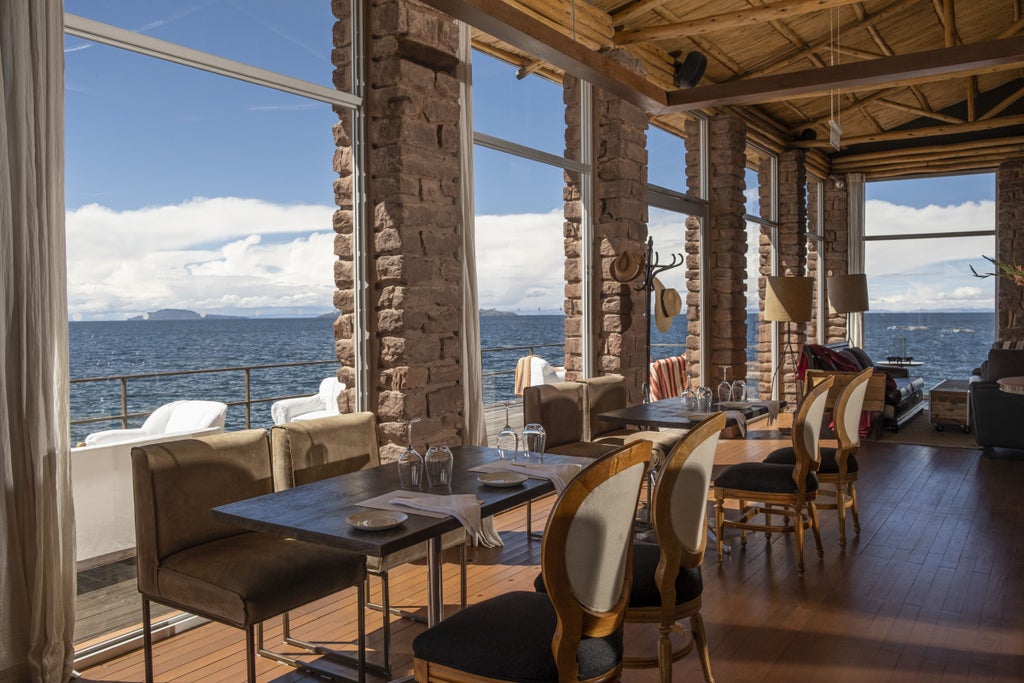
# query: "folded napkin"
{"points": [[741, 420], [558, 475], [462, 506], [772, 406]]}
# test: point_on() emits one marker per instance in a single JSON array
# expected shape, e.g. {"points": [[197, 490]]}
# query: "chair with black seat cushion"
{"points": [[191, 562], [779, 489], [311, 450], [667, 582], [574, 631], [839, 466]]}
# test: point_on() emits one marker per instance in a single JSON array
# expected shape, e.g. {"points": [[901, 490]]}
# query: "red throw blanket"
{"points": [[829, 359]]}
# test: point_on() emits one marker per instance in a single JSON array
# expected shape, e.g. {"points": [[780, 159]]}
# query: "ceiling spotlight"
{"points": [[689, 71]]}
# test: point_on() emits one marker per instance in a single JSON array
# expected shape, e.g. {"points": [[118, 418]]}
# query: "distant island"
{"points": [[494, 312], [182, 314]]}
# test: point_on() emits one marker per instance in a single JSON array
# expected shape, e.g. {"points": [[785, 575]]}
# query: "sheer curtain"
{"points": [[855, 226], [472, 370], [37, 571]]}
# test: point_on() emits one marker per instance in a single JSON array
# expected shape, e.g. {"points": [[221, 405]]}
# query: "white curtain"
{"points": [[855, 227], [472, 370], [37, 571]]}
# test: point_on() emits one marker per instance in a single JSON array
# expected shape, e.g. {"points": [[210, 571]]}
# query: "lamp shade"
{"points": [[848, 293], [789, 299]]}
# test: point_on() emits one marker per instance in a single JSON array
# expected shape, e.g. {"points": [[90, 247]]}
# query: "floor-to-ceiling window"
{"points": [[922, 236], [200, 199], [762, 226]]}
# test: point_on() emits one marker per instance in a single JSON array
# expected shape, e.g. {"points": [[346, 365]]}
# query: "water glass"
{"points": [[534, 437], [689, 399], [410, 469], [508, 444], [439, 463], [705, 398], [739, 390]]}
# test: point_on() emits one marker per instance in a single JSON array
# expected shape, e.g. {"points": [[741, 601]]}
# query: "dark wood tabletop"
{"points": [[316, 512], [668, 413]]}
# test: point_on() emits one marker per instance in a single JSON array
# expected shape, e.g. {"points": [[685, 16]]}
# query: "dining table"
{"points": [[317, 511], [668, 413]]}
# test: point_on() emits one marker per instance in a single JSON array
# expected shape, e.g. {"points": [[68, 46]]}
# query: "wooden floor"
{"points": [[931, 590]]}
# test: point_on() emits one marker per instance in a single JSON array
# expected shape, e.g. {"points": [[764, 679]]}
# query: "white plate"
{"points": [[502, 479], [376, 520]]}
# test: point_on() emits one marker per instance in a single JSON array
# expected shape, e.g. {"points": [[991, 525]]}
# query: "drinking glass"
{"points": [[508, 440], [689, 399], [410, 463], [739, 390], [705, 398], [534, 437], [439, 463], [724, 387]]}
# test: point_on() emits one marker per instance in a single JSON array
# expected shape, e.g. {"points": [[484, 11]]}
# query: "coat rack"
{"points": [[653, 268]]}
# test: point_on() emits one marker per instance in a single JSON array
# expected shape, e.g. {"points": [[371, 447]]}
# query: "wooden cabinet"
{"points": [[949, 403]]}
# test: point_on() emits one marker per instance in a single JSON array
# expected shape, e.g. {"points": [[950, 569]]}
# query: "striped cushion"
{"points": [[667, 378]]}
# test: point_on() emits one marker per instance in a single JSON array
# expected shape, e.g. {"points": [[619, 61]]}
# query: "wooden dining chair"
{"points": [[788, 491], [189, 561], [839, 466], [574, 631], [667, 582], [311, 450]]}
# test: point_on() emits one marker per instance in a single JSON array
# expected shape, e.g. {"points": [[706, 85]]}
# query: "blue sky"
{"points": [[186, 189]]}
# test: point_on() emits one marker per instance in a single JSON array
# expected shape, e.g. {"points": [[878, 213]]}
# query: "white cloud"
{"points": [[521, 262]]}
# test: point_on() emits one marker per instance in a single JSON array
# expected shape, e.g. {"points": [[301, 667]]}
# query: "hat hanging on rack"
{"points": [[627, 266], [667, 305]]}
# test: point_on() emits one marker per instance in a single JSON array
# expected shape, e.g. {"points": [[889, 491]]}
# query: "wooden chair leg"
{"points": [[816, 528], [719, 523], [665, 653], [841, 509], [853, 508], [700, 639], [798, 529], [147, 640], [743, 532], [462, 575], [385, 601]]}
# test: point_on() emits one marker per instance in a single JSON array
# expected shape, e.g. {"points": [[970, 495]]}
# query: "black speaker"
{"points": [[689, 71]]}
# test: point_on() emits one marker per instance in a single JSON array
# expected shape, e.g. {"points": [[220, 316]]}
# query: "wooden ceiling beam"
{"points": [[860, 54], [1006, 102], [921, 133], [726, 20], [901, 70], [544, 42], [926, 150], [629, 13], [928, 113]]}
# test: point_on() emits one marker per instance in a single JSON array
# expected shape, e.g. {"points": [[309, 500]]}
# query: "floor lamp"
{"points": [[848, 294], [788, 300]]}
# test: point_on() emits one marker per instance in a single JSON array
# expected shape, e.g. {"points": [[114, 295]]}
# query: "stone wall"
{"points": [[1010, 248], [620, 223], [792, 254], [836, 245], [722, 326], [413, 194]]}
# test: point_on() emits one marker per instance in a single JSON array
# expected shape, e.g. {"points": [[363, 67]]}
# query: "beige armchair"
{"points": [[189, 561]]}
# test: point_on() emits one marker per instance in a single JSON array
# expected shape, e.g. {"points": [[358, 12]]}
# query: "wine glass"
{"points": [[739, 390], [705, 399], [410, 463], [508, 440], [439, 463], [724, 387], [534, 437]]}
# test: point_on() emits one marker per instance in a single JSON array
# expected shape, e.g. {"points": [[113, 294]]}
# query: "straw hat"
{"points": [[626, 266], [667, 305]]}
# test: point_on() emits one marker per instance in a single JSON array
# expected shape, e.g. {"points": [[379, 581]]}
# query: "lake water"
{"points": [[949, 345]]}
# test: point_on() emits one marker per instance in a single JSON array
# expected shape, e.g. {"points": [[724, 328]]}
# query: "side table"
{"points": [[949, 403]]}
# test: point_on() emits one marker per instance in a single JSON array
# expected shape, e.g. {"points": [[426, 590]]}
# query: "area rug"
{"points": [[920, 431]]}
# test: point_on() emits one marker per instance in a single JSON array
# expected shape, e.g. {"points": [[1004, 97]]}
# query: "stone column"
{"points": [[792, 252], [413, 191], [1010, 248], [722, 325], [836, 244], [620, 223]]}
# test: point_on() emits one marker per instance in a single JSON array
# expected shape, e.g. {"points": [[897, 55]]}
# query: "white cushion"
{"points": [[191, 415]]}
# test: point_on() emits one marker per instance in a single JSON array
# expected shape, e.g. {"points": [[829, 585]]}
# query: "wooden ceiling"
{"points": [[918, 86]]}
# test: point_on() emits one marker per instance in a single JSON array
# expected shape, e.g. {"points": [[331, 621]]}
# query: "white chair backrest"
{"points": [[542, 372], [191, 415], [851, 401], [812, 424], [330, 390], [690, 494], [598, 538]]}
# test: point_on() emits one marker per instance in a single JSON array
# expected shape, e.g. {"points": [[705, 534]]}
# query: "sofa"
{"points": [[995, 412], [324, 403], [900, 396]]}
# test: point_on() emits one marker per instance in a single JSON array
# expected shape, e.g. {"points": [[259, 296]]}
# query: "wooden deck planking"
{"points": [[930, 589]]}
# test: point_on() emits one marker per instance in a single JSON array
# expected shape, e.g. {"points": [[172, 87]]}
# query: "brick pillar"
{"points": [[692, 244], [792, 252], [413, 191], [620, 223], [1010, 248], [572, 230], [723, 324], [813, 255], [836, 245]]}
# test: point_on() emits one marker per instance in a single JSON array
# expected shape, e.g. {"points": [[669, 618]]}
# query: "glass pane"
{"points": [[666, 159], [759, 367], [292, 38], [668, 229], [528, 112], [520, 265], [930, 205]]}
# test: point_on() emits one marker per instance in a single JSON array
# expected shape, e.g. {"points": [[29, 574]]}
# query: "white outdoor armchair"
{"points": [[177, 417], [324, 403]]}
